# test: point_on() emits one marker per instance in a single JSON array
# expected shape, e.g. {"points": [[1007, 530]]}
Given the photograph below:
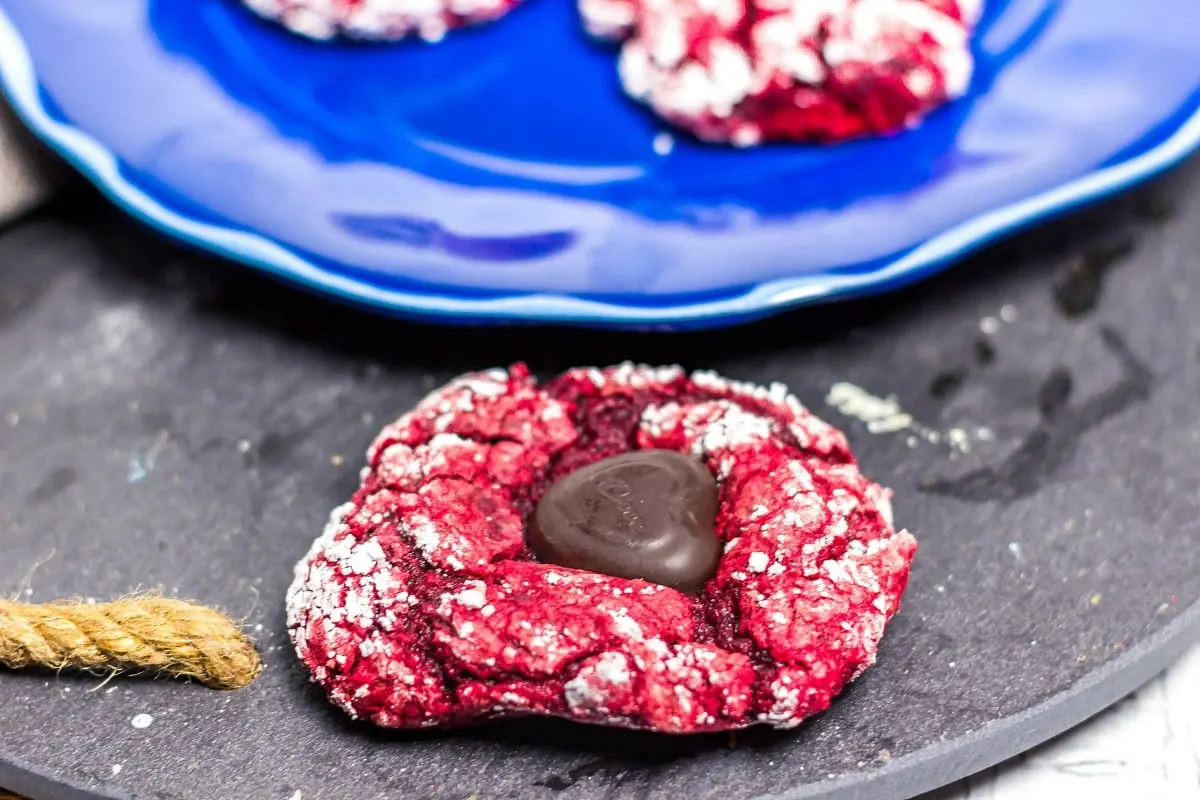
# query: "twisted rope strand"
{"points": [[145, 632]]}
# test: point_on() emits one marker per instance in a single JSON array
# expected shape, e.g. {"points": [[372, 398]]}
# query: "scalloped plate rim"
{"points": [[19, 83]]}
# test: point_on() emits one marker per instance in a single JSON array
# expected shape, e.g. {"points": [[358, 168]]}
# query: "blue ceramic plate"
{"points": [[502, 175]]}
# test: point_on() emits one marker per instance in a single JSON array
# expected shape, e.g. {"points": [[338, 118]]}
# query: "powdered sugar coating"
{"points": [[748, 71], [381, 20], [420, 604]]}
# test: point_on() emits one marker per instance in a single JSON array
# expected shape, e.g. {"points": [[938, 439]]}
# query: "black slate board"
{"points": [[168, 420]]}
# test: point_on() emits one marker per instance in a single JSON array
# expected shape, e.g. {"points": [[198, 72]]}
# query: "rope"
{"points": [[144, 632]]}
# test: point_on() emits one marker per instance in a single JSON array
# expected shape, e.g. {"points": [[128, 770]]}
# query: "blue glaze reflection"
{"points": [[423, 233]]}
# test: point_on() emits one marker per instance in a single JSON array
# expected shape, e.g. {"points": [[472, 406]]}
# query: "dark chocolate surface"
{"points": [[169, 420], [647, 514]]}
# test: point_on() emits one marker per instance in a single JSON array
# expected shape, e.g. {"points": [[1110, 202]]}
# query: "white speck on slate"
{"points": [[989, 325], [141, 721], [116, 770], [1008, 313], [137, 472]]}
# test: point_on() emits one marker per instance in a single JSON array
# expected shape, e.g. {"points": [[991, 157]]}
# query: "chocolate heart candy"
{"points": [[646, 514]]}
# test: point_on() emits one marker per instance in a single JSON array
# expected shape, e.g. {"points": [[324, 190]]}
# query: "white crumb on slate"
{"points": [[881, 414], [884, 415]]}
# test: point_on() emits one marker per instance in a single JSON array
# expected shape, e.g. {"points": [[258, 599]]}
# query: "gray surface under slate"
{"points": [[167, 420]]}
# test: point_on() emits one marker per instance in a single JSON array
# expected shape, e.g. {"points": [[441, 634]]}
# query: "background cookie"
{"points": [[378, 19], [748, 71]]}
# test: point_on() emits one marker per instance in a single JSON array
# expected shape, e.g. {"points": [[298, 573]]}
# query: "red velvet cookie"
{"points": [[750, 71], [378, 19], [422, 604]]}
